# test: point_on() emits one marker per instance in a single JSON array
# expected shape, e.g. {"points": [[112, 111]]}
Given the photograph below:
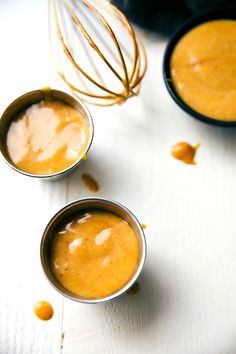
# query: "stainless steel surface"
{"points": [[26, 100], [96, 51], [78, 207]]}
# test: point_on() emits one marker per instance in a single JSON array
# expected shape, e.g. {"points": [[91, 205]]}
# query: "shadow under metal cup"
{"points": [[78, 207], [24, 102]]}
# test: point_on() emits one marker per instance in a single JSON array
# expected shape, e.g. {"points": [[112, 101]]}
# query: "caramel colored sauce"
{"points": [[90, 182], [134, 290], [47, 93], [62, 339], [185, 152], [94, 255], [48, 137], [43, 310], [143, 226], [203, 69]]}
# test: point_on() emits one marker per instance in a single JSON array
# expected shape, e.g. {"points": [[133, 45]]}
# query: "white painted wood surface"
{"points": [[188, 288]]}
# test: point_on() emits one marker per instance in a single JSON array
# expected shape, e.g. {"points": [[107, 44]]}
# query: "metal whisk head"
{"points": [[95, 50]]}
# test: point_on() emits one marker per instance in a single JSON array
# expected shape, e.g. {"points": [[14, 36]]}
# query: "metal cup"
{"points": [[25, 101], [78, 207]]}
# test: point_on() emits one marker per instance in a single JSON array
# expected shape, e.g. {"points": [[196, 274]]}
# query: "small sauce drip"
{"points": [[43, 310], [143, 226], [185, 152], [47, 93], [90, 182], [62, 339], [134, 290]]}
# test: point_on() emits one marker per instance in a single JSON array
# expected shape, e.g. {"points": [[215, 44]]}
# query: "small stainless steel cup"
{"points": [[25, 101], [77, 207]]}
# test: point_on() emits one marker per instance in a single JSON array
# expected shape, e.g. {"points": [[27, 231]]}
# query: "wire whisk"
{"points": [[95, 50]]}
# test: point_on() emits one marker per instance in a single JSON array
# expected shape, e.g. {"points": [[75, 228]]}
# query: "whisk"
{"points": [[95, 50]]}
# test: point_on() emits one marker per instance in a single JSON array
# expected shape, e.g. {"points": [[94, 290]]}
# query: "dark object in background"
{"points": [[197, 6], [159, 16], [165, 16]]}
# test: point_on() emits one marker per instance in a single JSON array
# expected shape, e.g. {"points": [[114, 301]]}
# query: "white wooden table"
{"points": [[187, 301]]}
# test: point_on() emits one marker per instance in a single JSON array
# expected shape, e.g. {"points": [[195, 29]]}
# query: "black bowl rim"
{"points": [[228, 13]]}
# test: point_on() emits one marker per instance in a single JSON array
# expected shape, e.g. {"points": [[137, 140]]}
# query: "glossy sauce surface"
{"points": [[203, 69], [43, 310], [185, 152], [95, 254], [48, 137]]}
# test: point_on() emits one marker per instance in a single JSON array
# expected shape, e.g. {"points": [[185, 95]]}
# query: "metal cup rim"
{"points": [[77, 162], [136, 275]]}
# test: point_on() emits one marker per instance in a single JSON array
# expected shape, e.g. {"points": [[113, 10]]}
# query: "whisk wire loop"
{"points": [[95, 50]]}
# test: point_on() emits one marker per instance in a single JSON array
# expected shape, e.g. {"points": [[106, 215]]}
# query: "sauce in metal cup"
{"points": [[73, 210], [38, 108]]}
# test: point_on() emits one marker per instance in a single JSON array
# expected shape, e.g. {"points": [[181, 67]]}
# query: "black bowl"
{"points": [[223, 13]]}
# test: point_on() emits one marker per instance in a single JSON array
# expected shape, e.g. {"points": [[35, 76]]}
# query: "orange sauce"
{"points": [[94, 255], [90, 182], [62, 339], [43, 310], [185, 152], [203, 69], [47, 137], [143, 226]]}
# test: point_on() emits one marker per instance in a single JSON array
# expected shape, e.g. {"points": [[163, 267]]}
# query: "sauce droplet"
{"points": [[143, 226], [135, 288], [47, 93], [43, 310], [90, 182], [62, 339], [185, 152]]}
